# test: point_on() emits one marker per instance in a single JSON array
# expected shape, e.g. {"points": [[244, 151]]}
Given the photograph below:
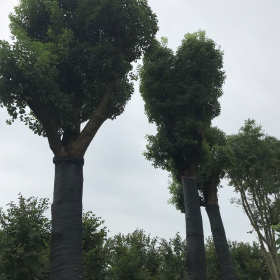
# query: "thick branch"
{"points": [[101, 114], [48, 124], [212, 189]]}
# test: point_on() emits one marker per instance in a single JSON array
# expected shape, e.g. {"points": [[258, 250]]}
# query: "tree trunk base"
{"points": [[66, 245]]}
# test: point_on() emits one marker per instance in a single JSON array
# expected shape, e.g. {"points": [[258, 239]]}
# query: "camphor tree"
{"points": [[217, 156], [254, 173], [181, 93], [70, 63]]}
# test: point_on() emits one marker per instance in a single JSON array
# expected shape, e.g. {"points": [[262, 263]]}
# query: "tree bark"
{"points": [[66, 245], [271, 265], [221, 244], [195, 251]]}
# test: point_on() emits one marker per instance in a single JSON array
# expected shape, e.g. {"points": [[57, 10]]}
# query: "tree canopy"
{"points": [[181, 93], [70, 62], [254, 173]]}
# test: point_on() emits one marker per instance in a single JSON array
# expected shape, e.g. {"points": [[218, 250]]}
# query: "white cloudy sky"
{"points": [[119, 184]]}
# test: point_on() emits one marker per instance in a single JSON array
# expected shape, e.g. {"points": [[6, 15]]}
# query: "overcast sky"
{"points": [[120, 185]]}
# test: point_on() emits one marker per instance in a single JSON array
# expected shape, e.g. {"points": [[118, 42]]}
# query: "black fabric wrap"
{"points": [[221, 244], [195, 251], [66, 246]]}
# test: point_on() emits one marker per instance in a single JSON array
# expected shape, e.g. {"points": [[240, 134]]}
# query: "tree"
{"points": [[172, 254], [133, 256], [254, 173], [181, 93], [216, 159], [70, 63], [25, 240], [96, 253]]}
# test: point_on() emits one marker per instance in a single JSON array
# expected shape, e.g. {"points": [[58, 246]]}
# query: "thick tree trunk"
{"points": [[195, 251], [221, 244], [66, 244]]}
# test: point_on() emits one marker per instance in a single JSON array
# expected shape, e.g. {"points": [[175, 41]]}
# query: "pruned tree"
{"points": [[181, 92], [254, 174], [70, 63], [217, 158]]}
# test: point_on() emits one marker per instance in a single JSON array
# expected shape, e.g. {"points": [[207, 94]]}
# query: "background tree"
{"points": [[172, 253], [133, 256], [25, 240], [248, 261], [138, 256], [25, 246], [70, 63], [96, 254], [181, 93], [254, 173]]}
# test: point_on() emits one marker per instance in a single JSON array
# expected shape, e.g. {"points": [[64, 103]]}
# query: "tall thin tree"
{"points": [[216, 159], [181, 93]]}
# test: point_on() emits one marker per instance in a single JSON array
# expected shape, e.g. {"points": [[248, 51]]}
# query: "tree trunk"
{"points": [[271, 264], [221, 244], [195, 251], [66, 245]]}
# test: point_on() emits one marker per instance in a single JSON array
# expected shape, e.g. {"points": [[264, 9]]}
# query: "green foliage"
{"points": [[25, 235], [66, 54], [248, 260], [255, 171], [180, 91], [95, 252], [133, 256], [177, 195], [217, 157], [24, 240], [138, 256], [173, 259]]}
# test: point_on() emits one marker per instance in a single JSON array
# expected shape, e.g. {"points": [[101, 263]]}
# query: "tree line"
{"points": [[25, 234], [70, 63]]}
